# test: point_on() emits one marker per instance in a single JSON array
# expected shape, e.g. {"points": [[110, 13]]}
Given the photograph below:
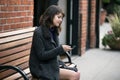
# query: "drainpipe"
{"points": [[97, 22]]}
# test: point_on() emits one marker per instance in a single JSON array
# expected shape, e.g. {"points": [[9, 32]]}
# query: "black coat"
{"points": [[43, 61]]}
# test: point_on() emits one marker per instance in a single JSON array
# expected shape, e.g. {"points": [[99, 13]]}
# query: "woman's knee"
{"points": [[69, 74], [75, 76]]}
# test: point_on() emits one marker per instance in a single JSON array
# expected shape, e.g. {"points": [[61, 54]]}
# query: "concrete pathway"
{"points": [[99, 64]]}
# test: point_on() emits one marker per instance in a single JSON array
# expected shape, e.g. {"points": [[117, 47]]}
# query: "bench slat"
{"points": [[18, 61], [15, 43], [13, 77], [13, 38], [15, 50], [9, 72], [5, 34], [13, 57]]}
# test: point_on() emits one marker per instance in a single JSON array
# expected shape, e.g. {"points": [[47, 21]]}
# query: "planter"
{"points": [[115, 46], [112, 38], [111, 41]]}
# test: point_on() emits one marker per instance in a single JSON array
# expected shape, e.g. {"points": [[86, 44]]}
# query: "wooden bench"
{"points": [[14, 51], [14, 54]]}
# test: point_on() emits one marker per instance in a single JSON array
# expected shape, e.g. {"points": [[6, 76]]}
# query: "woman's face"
{"points": [[57, 20]]}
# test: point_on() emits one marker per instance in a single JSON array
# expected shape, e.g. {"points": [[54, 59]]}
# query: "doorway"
{"points": [[39, 7], [72, 24]]}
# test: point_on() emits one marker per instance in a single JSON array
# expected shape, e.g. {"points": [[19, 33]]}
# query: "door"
{"points": [[72, 24], [39, 7]]}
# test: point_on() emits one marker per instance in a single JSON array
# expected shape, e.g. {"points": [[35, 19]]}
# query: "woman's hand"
{"points": [[66, 48]]}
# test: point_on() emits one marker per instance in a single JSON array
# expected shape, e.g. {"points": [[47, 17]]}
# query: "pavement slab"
{"points": [[99, 64]]}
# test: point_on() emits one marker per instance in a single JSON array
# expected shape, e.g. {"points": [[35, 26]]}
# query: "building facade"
{"points": [[19, 14]]}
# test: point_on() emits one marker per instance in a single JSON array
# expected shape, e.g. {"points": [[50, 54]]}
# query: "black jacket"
{"points": [[43, 61]]}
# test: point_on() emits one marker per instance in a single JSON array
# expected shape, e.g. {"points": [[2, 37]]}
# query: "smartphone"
{"points": [[73, 46]]}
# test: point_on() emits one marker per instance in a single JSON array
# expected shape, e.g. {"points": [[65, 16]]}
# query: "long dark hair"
{"points": [[46, 20]]}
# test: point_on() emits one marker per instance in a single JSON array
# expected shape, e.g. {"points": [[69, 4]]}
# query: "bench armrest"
{"points": [[69, 57], [19, 70]]}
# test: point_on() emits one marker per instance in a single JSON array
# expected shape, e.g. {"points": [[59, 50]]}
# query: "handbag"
{"points": [[64, 66]]}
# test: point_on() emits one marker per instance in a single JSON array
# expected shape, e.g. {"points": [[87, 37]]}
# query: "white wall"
{"points": [[62, 36]]}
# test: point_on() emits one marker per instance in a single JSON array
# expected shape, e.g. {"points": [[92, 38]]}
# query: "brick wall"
{"points": [[18, 14], [83, 10], [92, 28], [15, 14]]}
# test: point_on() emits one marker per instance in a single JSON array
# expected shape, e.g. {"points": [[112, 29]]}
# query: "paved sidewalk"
{"points": [[99, 64]]}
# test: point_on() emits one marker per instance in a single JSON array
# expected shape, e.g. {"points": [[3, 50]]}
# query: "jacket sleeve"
{"points": [[39, 48]]}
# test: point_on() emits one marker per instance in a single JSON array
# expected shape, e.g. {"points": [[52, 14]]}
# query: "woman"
{"points": [[43, 62]]}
